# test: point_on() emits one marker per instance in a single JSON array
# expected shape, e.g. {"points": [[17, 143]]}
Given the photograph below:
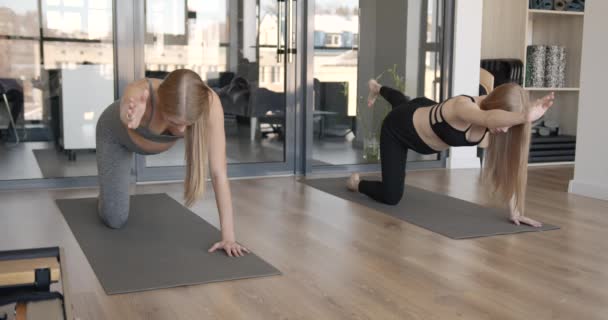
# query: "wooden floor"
{"points": [[344, 261]]}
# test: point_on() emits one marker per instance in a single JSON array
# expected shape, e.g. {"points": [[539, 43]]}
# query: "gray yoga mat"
{"points": [[162, 245], [451, 217], [55, 164]]}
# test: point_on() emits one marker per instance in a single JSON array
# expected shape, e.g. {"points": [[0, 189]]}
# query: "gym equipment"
{"points": [[26, 277]]}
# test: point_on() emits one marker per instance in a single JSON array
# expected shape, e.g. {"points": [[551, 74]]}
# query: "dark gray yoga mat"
{"points": [[55, 164], [451, 217], [162, 245]]}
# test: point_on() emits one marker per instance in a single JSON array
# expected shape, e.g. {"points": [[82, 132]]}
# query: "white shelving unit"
{"points": [[554, 12], [509, 27], [564, 28], [553, 89]]}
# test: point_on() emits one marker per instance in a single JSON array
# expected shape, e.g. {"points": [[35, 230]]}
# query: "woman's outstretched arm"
{"points": [[493, 119], [216, 139]]}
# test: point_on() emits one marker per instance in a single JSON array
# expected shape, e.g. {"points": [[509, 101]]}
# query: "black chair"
{"points": [[11, 92], [156, 74], [268, 107], [504, 70], [243, 98], [235, 97]]}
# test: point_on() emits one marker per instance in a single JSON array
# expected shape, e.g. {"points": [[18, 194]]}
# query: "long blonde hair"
{"points": [[506, 164], [183, 94]]}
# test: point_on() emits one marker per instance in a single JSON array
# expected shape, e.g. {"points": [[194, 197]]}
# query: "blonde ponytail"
{"points": [[506, 163], [196, 160], [184, 95]]}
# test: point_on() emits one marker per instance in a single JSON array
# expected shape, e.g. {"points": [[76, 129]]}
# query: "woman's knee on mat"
{"points": [[114, 217], [393, 196]]}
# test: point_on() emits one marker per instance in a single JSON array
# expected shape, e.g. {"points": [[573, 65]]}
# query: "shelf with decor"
{"points": [[553, 89], [510, 27], [555, 12]]}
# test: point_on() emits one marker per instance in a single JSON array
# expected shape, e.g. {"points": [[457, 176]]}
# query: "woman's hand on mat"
{"points": [[519, 219], [232, 248], [541, 106], [136, 108]]}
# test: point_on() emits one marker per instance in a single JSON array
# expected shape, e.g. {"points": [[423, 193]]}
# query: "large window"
{"points": [[397, 42], [56, 80], [232, 45]]}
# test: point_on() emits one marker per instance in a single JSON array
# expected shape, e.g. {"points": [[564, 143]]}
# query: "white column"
{"points": [[591, 165], [465, 77], [250, 30], [233, 35]]}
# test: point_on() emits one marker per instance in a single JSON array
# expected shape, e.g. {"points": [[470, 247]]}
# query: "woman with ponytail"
{"points": [[427, 127], [150, 117]]}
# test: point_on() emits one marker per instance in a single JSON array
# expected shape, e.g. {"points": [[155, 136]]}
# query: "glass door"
{"points": [[244, 51], [53, 53], [398, 43]]}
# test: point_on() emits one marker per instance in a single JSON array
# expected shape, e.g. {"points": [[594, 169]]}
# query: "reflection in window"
{"points": [[78, 19], [64, 23], [187, 35], [336, 55], [406, 56], [46, 48], [19, 18], [232, 45], [432, 48]]}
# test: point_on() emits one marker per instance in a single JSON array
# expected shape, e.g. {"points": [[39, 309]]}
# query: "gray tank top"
{"points": [[144, 129]]}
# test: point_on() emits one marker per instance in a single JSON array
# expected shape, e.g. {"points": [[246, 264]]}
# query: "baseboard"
{"points": [[591, 190]]}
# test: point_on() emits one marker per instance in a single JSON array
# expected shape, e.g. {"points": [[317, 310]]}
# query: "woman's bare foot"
{"points": [[374, 91], [353, 182]]}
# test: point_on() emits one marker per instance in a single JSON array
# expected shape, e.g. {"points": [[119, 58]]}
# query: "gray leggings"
{"points": [[114, 159]]}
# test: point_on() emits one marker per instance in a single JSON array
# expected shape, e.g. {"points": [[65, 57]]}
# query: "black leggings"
{"points": [[396, 137]]}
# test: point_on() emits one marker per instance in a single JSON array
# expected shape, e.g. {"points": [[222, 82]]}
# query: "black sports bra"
{"points": [[144, 129], [446, 132]]}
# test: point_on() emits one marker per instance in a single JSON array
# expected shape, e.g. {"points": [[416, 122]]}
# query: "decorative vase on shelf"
{"points": [[555, 70], [535, 66]]}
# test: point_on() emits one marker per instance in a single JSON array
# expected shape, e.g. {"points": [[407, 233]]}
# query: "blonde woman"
{"points": [[427, 127], [150, 117]]}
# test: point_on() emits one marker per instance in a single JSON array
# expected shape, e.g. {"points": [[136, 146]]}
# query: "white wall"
{"points": [[250, 30], [465, 80], [591, 166], [233, 18]]}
